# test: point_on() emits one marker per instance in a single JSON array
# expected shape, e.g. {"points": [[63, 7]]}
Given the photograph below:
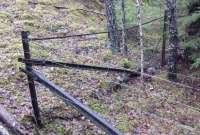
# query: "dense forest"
{"points": [[97, 67]]}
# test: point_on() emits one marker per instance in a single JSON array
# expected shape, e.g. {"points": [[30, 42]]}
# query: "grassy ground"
{"points": [[156, 108]]}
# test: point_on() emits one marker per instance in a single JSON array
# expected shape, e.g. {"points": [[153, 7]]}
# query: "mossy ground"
{"points": [[130, 108]]}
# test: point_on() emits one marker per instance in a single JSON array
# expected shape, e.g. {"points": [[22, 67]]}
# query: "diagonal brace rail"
{"points": [[38, 62], [68, 99]]}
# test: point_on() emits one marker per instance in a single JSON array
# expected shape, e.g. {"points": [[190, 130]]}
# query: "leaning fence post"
{"points": [[27, 55]]}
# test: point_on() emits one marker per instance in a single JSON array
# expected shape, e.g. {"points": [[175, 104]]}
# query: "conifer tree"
{"points": [[173, 39], [112, 25], [191, 39]]}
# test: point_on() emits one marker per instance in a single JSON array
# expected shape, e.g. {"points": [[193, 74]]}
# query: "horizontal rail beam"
{"points": [[70, 100], [38, 62], [87, 67], [68, 36]]}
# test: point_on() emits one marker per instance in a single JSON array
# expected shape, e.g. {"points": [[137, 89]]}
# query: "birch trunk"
{"points": [[3, 130], [123, 26], [138, 7], [163, 62], [11, 123]]}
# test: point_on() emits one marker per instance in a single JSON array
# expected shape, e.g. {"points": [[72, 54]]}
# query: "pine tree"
{"points": [[190, 38], [173, 39], [112, 25]]}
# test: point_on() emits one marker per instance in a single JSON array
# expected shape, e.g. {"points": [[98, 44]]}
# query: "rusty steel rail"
{"points": [[38, 62], [76, 104]]}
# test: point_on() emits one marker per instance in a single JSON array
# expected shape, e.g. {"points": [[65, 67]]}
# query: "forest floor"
{"points": [[154, 108]]}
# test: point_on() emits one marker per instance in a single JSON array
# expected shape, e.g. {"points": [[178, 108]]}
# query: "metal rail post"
{"points": [[27, 55]]}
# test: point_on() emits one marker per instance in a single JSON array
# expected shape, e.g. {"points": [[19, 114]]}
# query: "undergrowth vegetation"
{"points": [[118, 98]]}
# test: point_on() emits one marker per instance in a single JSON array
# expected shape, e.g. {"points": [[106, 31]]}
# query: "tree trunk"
{"points": [[123, 26], [112, 26], [163, 62], [3, 130], [173, 40], [10, 122], [138, 6]]}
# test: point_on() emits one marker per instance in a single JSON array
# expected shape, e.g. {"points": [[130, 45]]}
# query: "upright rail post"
{"points": [[28, 66]]}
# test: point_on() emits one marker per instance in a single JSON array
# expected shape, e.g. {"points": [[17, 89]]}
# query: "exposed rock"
{"points": [[151, 70]]}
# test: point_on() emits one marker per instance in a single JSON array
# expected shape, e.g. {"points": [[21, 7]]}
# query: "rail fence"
{"points": [[33, 75]]}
